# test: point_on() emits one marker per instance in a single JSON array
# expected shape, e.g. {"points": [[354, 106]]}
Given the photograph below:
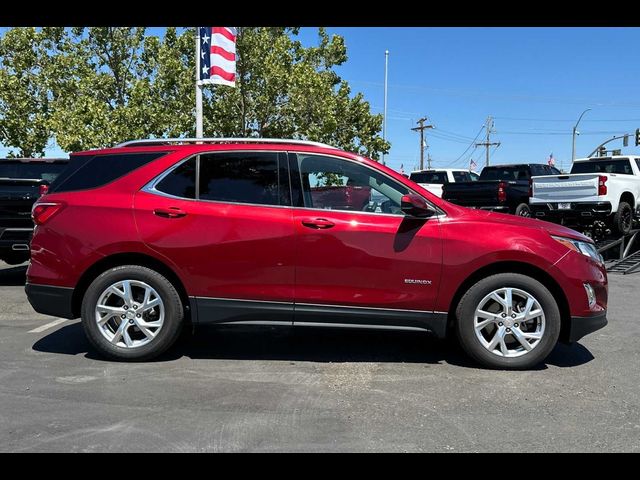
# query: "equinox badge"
{"points": [[417, 281]]}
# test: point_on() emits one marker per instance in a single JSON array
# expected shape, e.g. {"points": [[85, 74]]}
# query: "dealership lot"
{"points": [[237, 389]]}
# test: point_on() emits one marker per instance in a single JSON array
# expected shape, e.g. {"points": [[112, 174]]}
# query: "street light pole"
{"points": [[575, 130]]}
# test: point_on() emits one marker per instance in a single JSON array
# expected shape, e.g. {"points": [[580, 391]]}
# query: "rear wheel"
{"points": [[523, 210], [132, 313], [623, 218], [15, 258], [508, 321]]}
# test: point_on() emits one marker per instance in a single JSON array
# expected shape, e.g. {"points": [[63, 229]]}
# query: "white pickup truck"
{"points": [[433, 179], [601, 189]]}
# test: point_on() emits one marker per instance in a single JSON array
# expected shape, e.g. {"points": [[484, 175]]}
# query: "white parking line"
{"points": [[48, 325]]}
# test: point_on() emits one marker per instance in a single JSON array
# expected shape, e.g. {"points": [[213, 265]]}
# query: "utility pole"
{"points": [[421, 129], [487, 143]]}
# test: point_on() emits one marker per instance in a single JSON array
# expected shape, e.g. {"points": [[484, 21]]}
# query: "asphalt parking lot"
{"points": [[239, 389]]}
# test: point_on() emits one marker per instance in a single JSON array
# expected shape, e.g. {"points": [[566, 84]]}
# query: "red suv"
{"points": [[139, 239]]}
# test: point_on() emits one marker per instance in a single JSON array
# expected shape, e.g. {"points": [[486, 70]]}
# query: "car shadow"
{"points": [[305, 345], [13, 276]]}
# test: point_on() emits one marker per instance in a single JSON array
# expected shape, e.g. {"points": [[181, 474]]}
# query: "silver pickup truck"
{"points": [[600, 189]]}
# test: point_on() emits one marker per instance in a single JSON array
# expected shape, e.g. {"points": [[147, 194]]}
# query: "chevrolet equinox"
{"points": [[139, 239]]}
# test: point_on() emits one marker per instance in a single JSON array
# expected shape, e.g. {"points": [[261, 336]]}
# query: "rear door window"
{"points": [[260, 178]]}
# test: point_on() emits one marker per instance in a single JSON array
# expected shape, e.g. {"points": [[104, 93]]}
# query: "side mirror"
{"points": [[415, 206]]}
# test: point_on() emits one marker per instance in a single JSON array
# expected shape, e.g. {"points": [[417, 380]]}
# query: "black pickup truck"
{"points": [[21, 183], [502, 188]]}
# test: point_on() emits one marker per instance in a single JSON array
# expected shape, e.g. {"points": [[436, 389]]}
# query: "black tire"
{"points": [[465, 313], [523, 210], [623, 218], [15, 259], [168, 334]]}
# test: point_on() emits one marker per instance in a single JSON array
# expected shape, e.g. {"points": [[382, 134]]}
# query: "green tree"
{"points": [[24, 99], [286, 90], [100, 86]]}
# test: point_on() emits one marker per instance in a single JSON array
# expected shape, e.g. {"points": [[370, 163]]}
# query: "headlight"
{"points": [[585, 248]]}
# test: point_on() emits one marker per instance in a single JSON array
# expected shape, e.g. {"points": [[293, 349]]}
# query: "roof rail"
{"points": [[168, 141]]}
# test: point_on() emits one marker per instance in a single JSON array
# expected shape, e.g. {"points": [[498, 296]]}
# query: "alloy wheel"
{"points": [[129, 313], [509, 322]]}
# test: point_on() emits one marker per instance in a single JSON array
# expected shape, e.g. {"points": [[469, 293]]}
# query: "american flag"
{"points": [[472, 165], [552, 161], [218, 55]]}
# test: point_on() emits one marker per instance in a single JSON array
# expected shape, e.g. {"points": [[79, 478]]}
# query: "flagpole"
{"points": [[198, 88], [384, 118]]}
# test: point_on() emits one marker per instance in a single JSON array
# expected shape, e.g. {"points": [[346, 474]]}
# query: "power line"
{"points": [[516, 97], [435, 134], [470, 145], [453, 134], [608, 132], [567, 120]]}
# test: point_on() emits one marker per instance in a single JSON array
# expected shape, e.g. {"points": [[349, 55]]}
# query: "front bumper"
{"points": [[581, 326], [48, 300]]}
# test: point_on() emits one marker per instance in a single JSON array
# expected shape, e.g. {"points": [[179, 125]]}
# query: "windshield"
{"points": [[429, 177], [34, 170], [621, 166]]}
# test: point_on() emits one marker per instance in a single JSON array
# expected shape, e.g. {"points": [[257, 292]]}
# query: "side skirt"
{"points": [[252, 312]]}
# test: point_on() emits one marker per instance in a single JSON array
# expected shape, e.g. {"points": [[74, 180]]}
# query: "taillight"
{"points": [[502, 194], [602, 185], [44, 189], [42, 212]]}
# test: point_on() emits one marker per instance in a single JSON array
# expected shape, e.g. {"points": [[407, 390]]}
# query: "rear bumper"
{"points": [[15, 239], [492, 208], [48, 300], [581, 326], [579, 213]]}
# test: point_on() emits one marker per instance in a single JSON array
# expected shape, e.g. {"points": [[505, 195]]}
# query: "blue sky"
{"points": [[535, 82]]}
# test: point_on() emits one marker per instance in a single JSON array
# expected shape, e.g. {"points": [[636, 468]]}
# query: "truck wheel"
{"points": [[131, 313], [15, 259], [523, 210], [623, 219], [508, 321]]}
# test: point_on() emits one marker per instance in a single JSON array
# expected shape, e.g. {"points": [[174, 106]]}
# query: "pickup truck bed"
{"points": [[501, 188], [598, 191]]}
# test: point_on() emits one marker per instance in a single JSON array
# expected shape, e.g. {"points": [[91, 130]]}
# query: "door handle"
{"points": [[171, 212], [318, 223]]}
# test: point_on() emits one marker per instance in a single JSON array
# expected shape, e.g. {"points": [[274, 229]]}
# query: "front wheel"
{"points": [[508, 321], [131, 313]]}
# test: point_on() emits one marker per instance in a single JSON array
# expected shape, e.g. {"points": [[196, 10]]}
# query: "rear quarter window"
{"points": [[86, 172], [619, 166], [37, 170]]}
